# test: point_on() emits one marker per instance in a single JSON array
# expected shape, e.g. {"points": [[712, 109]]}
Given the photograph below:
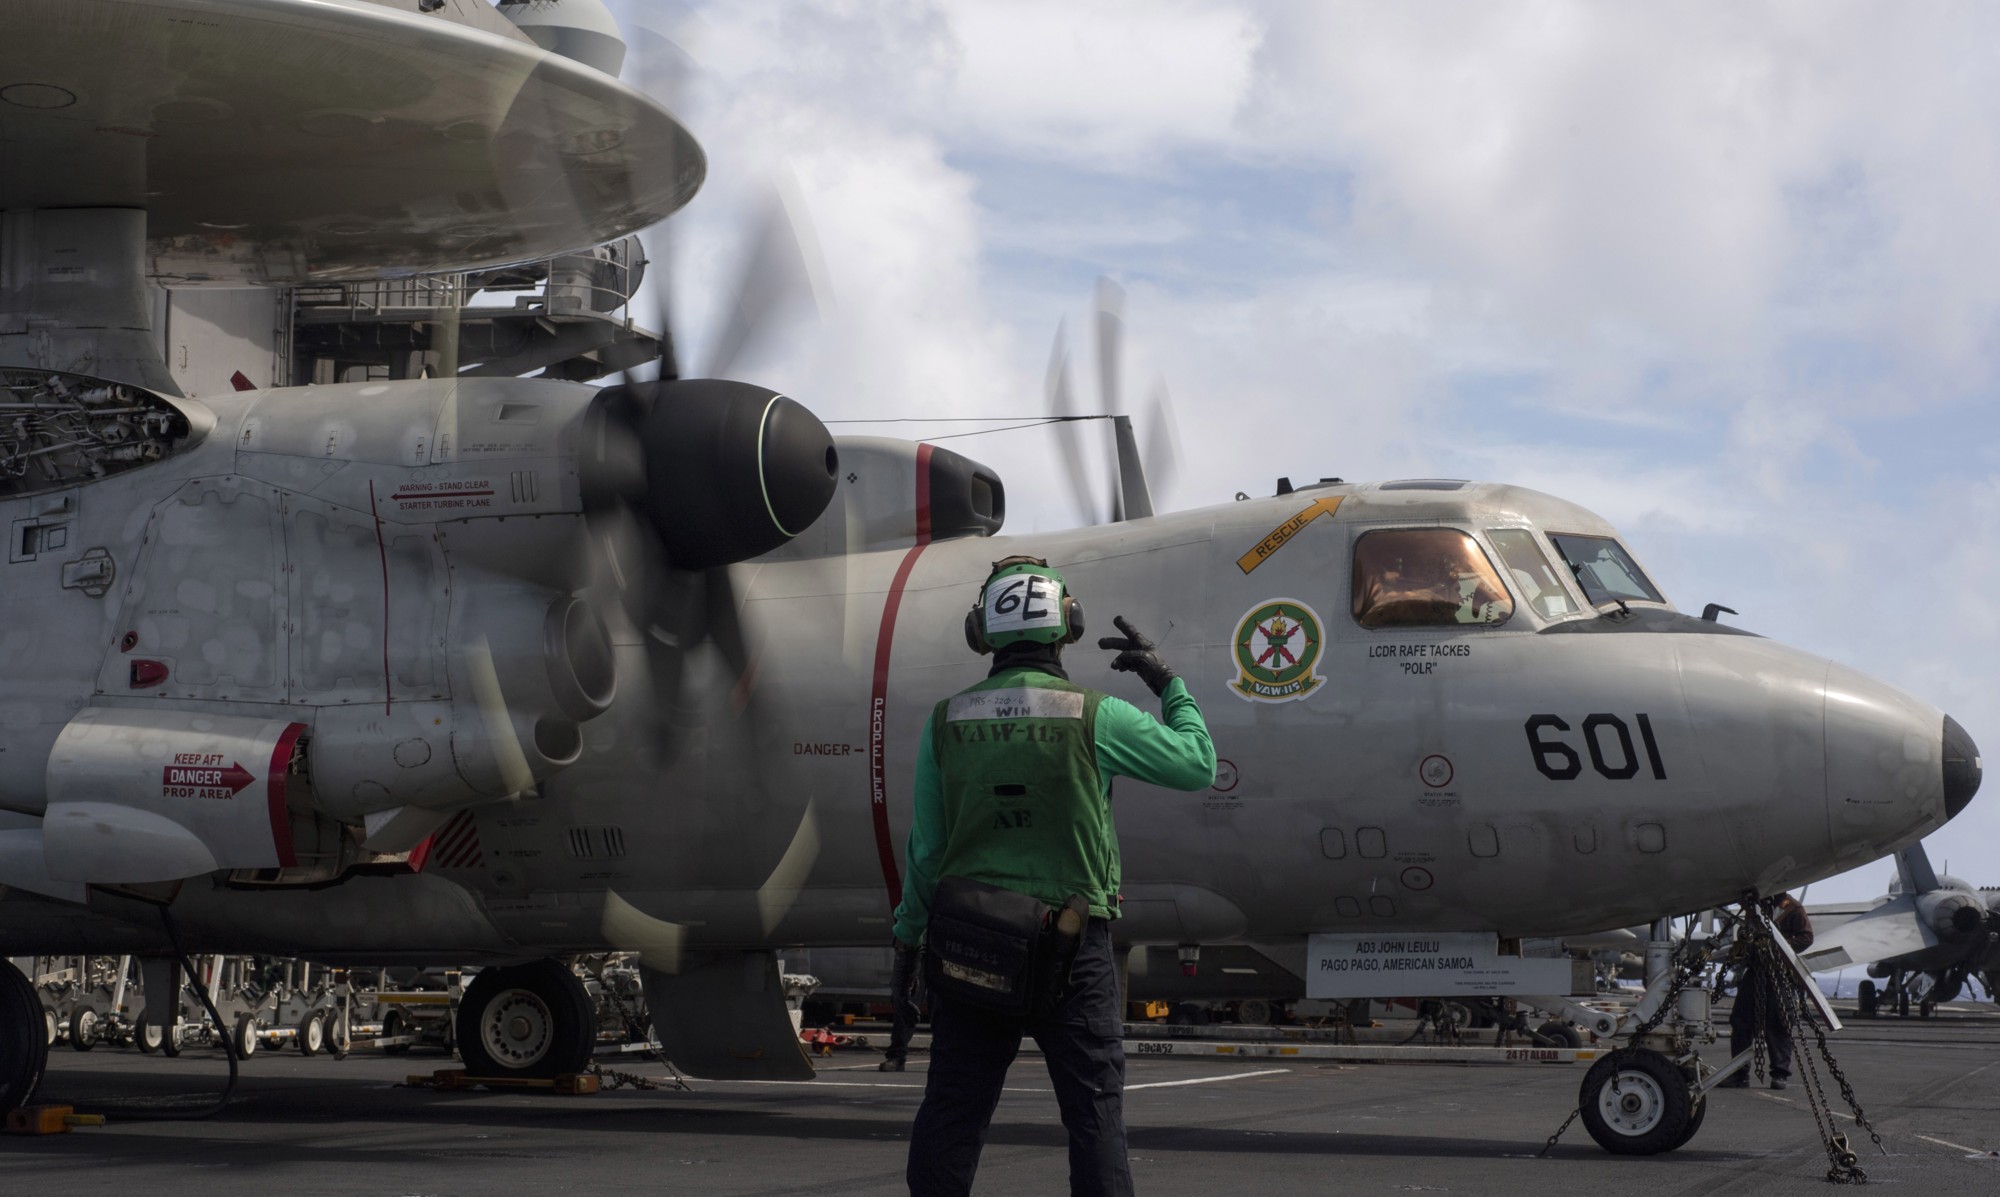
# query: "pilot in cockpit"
{"points": [[1425, 577]]}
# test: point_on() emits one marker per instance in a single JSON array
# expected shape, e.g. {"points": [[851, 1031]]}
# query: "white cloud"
{"points": [[1119, 80], [1726, 274]]}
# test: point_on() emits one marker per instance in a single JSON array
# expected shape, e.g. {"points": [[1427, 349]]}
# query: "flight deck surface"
{"points": [[321, 1126]]}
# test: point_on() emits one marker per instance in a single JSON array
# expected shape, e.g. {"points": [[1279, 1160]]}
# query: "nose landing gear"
{"points": [[1636, 1101]]}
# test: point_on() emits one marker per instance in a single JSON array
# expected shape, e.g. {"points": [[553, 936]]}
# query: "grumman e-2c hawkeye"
{"points": [[499, 670]]}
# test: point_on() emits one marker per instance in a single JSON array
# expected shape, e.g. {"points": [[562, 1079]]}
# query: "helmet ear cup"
{"points": [[1072, 619], [975, 634]]}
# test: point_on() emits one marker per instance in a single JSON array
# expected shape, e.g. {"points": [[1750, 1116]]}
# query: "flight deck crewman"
{"points": [[1758, 998], [1014, 875]]}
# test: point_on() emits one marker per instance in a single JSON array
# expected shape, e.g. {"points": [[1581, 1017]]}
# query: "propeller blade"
{"points": [[776, 288], [655, 63], [786, 883], [1110, 343], [724, 625], [658, 66], [1110, 328], [1062, 404]]}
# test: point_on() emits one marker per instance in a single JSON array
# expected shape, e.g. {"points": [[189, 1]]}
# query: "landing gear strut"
{"points": [[1651, 1094]]}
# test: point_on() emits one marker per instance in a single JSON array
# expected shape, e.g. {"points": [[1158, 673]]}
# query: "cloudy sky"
{"points": [[1727, 274]]}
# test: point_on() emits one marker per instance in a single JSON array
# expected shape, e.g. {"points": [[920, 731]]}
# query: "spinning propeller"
{"points": [[1132, 473]]}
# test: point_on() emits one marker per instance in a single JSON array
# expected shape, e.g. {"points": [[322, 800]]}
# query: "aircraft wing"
{"points": [[1889, 930], [1828, 915]]}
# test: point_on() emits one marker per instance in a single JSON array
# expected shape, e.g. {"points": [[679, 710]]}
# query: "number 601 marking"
{"points": [[1558, 761]]}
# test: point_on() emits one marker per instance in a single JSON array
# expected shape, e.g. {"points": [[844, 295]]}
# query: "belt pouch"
{"points": [[983, 945]]}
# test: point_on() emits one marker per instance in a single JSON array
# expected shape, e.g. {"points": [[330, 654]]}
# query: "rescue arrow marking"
{"points": [[1283, 533]]}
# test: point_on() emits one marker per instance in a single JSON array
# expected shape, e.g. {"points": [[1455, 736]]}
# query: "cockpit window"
{"points": [[1535, 576], [1604, 569], [1425, 577]]}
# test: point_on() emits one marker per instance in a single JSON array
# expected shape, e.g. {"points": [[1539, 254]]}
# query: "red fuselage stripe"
{"points": [[878, 705], [382, 550], [274, 789]]}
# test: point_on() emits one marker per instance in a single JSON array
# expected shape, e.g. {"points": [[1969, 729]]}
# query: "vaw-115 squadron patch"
{"points": [[1277, 652]]}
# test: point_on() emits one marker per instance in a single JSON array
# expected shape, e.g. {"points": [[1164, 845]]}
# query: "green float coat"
{"points": [[1024, 809], [1016, 791]]}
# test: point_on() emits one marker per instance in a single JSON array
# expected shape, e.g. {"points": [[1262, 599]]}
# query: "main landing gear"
{"points": [[526, 1020], [24, 1043]]}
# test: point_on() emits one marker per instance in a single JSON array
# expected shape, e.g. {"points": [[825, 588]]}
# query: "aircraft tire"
{"points": [[526, 1020], [1635, 1102], [312, 1033], [1694, 1121], [1866, 999], [82, 1027], [24, 1046], [394, 1026], [1561, 1033]]}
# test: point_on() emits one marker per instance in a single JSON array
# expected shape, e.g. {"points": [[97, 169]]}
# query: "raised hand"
{"points": [[1136, 654]]}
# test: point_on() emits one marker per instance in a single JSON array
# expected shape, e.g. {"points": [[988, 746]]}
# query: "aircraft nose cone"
{"points": [[1886, 772], [1961, 767]]}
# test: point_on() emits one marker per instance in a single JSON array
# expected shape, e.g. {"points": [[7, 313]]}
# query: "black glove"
{"points": [[1137, 655], [903, 975]]}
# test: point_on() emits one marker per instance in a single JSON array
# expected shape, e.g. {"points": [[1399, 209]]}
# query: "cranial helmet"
{"points": [[1023, 601]]}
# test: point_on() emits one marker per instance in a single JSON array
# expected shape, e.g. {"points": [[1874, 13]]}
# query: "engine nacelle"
{"points": [[527, 668], [157, 795], [892, 492], [535, 669], [1954, 916]]}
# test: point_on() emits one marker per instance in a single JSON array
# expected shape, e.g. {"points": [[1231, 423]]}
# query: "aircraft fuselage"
{"points": [[372, 563]]}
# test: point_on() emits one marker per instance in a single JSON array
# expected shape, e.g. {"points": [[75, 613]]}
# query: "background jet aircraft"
{"points": [[1925, 938]]}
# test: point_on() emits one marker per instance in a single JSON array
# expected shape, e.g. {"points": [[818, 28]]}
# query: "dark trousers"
{"points": [[902, 1029], [907, 1012], [1752, 992], [1083, 1045]]}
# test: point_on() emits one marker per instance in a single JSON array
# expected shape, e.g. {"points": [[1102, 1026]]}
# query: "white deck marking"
{"points": [[1208, 1080], [1788, 1101], [819, 1084], [1971, 1152]]}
